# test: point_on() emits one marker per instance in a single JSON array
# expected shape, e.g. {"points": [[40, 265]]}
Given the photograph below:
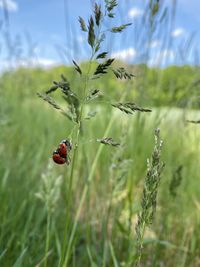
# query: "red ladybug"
{"points": [[57, 158], [64, 147], [62, 150], [61, 154]]}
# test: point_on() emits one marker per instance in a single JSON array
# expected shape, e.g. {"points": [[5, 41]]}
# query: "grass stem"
{"points": [[47, 239]]}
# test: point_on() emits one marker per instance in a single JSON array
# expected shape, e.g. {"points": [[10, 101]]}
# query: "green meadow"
{"points": [[127, 192], [105, 235]]}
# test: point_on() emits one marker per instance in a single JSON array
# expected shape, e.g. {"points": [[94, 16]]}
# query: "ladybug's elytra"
{"points": [[60, 155], [57, 158], [62, 150], [64, 147]]}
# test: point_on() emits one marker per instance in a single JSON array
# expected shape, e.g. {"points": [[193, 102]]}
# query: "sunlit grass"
{"points": [[25, 152]]}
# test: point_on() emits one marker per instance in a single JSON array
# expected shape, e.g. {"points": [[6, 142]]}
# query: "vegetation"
{"points": [[180, 84], [106, 208], [30, 132]]}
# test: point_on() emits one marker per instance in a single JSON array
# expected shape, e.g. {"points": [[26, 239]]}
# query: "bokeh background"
{"points": [[38, 41]]}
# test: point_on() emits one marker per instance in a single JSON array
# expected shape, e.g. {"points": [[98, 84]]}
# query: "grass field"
{"points": [[130, 195], [105, 235]]}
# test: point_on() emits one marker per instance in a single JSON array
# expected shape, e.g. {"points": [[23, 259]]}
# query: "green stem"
{"points": [[106, 225], [69, 198], [85, 190], [47, 239], [84, 193]]}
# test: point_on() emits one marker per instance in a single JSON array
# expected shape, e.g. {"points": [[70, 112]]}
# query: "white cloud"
{"points": [[44, 63], [125, 54], [161, 58], [10, 5], [135, 12], [178, 32]]}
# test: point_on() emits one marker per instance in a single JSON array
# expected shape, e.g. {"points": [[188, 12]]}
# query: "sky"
{"points": [[47, 33]]}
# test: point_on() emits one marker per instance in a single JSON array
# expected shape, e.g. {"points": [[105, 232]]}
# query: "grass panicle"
{"points": [[102, 55], [93, 94], [103, 68], [108, 141], [121, 73], [49, 194], [110, 5], [130, 108], [69, 114], [120, 28], [82, 24], [193, 121], [49, 188], [176, 181], [77, 68], [91, 33], [149, 199], [98, 14]]}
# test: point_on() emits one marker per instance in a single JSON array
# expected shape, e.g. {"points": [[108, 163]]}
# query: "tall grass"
{"points": [[26, 228], [88, 218]]}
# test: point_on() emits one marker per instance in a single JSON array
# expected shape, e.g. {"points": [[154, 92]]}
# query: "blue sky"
{"points": [[50, 28]]}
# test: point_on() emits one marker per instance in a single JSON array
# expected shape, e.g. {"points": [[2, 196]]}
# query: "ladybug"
{"points": [[57, 158], [62, 150], [64, 147], [61, 154]]}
